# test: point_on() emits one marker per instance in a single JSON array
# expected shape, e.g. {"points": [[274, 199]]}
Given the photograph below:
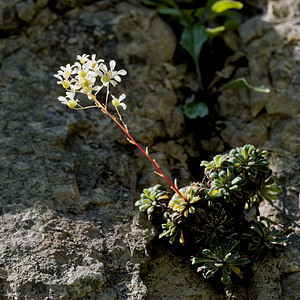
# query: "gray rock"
{"points": [[271, 121], [69, 179], [26, 10]]}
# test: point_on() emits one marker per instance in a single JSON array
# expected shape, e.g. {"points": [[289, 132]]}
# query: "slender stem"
{"points": [[143, 151], [198, 73]]}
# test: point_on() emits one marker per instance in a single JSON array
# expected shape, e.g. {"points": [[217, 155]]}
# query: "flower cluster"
{"points": [[81, 78]]}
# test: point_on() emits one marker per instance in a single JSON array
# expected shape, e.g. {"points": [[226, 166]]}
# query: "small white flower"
{"points": [[94, 63], [85, 78], [69, 99], [110, 76], [62, 80], [117, 101], [82, 58], [67, 70]]}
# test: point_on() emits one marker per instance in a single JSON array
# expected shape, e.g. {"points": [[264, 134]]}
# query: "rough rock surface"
{"points": [[69, 180], [271, 121]]}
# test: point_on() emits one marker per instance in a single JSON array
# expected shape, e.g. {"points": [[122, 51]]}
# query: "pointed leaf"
{"points": [[242, 83], [237, 271], [209, 273], [231, 245], [209, 253], [224, 5], [197, 260], [280, 240], [241, 261], [176, 12], [212, 32], [192, 39]]}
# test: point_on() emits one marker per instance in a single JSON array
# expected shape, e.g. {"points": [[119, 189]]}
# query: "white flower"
{"points": [[110, 76], [117, 101], [94, 63], [69, 99], [82, 58], [62, 80], [85, 78], [64, 76], [67, 70]]}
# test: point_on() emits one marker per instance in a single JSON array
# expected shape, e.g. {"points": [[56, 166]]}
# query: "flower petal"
{"points": [[114, 83], [117, 78], [122, 72], [112, 65], [103, 68], [123, 105], [122, 97], [63, 100]]}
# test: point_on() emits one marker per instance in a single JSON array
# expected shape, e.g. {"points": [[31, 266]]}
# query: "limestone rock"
{"points": [[69, 179], [26, 10], [69, 226], [271, 122]]}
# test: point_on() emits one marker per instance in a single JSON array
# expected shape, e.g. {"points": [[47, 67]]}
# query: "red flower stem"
{"points": [[147, 155]]}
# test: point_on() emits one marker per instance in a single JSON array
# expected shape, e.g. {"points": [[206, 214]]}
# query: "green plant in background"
{"points": [[197, 22], [200, 26], [221, 257]]}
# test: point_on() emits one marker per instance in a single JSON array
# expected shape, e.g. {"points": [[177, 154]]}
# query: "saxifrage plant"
{"points": [[221, 213], [209, 218]]}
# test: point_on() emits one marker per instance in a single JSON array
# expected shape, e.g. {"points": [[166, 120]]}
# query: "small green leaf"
{"points": [[171, 11], [195, 109], [241, 261], [212, 32], [192, 39], [191, 210], [242, 83], [209, 273], [225, 277], [164, 233], [197, 260], [231, 24], [199, 11], [280, 240], [224, 5], [209, 254], [159, 3]]}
